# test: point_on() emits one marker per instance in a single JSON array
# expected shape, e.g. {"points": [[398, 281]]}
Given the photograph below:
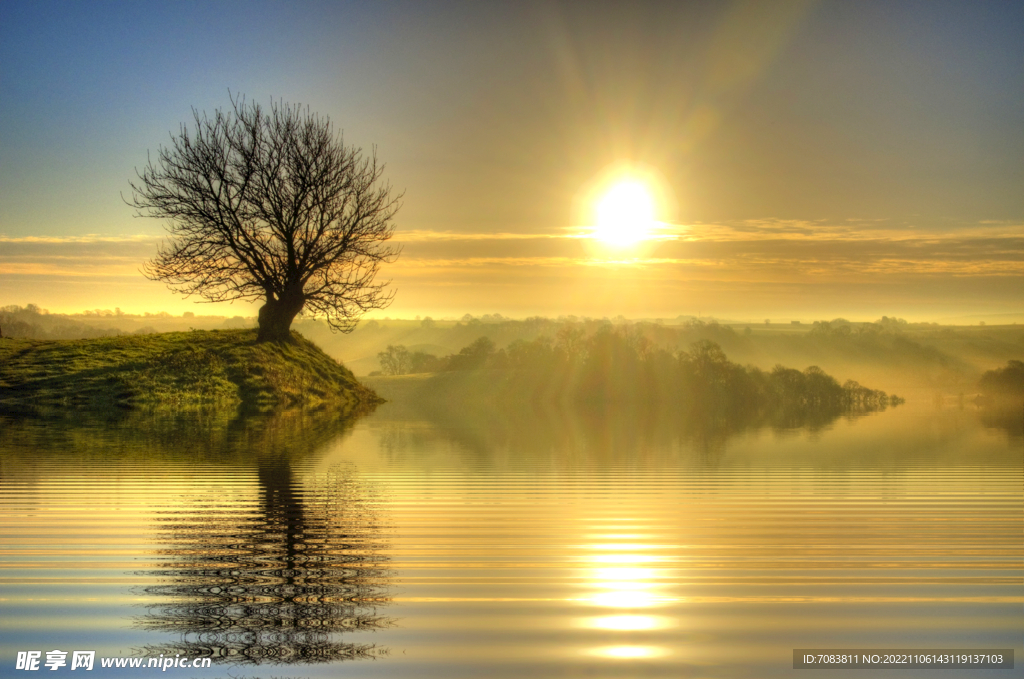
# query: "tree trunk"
{"points": [[277, 314]]}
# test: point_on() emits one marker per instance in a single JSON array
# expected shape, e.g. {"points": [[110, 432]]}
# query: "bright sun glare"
{"points": [[625, 214]]}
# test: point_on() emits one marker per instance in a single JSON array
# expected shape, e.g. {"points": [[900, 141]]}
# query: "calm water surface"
{"points": [[555, 545]]}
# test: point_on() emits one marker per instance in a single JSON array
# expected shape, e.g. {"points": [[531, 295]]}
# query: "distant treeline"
{"points": [[33, 322], [1006, 381], [619, 364], [889, 352], [883, 337]]}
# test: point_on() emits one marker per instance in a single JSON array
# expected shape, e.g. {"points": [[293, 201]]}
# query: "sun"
{"points": [[625, 214]]}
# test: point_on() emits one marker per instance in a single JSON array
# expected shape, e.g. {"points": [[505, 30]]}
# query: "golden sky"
{"points": [[805, 159]]}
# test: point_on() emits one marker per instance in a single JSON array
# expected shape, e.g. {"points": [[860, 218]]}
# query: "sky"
{"points": [[807, 160]]}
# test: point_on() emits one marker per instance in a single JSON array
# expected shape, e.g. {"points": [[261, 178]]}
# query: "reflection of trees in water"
{"points": [[616, 397], [606, 434], [279, 577], [279, 580], [216, 436], [1007, 415]]}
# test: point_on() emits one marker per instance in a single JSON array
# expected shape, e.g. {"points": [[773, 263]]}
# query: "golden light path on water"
{"points": [[626, 587]]}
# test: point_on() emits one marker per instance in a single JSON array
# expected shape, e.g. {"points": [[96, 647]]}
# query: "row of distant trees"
{"points": [[884, 338], [398, 360], [615, 364], [35, 323], [1005, 381]]}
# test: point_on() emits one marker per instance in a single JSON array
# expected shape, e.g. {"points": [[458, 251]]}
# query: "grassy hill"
{"points": [[223, 367]]}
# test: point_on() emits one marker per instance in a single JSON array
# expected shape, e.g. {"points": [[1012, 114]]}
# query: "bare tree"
{"points": [[394, 360], [271, 204]]}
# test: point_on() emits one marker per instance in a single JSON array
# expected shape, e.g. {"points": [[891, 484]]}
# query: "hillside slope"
{"points": [[179, 368]]}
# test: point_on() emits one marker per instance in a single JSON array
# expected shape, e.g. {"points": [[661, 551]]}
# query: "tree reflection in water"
{"points": [[599, 434], [276, 580], [1006, 415]]}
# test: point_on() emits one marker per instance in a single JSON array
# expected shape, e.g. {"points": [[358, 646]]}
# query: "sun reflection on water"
{"points": [[625, 575], [627, 558], [626, 599], [626, 586], [629, 652], [627, 623]]}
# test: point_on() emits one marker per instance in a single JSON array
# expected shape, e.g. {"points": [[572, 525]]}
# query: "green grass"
{"points": [[224, 367]]}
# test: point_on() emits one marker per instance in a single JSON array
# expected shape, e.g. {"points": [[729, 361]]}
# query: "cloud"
{"points": [[425, 235], [82, 238], [749, 265], [76, 256], [750, 250]]}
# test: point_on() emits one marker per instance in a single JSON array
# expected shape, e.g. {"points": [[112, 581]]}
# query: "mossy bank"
{"points": [[225, 367]]}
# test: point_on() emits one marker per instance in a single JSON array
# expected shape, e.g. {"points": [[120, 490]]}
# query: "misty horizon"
{"points": [[497, 317]]}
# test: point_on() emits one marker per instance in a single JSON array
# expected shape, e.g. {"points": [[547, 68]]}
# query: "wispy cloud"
{"points": [[766, 250], [850, 230], [82, 238], [75, 256], [421, 236], [763, 249], [105, 269], [881, 230]]}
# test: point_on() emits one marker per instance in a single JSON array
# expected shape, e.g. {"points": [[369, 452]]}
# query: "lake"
{"points": [[557, 544]]}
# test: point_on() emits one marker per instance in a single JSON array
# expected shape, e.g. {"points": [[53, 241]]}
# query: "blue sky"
{"points": [[821, 158]]}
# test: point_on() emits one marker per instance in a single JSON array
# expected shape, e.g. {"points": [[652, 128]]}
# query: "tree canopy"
{"points": [[271, 204]]}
